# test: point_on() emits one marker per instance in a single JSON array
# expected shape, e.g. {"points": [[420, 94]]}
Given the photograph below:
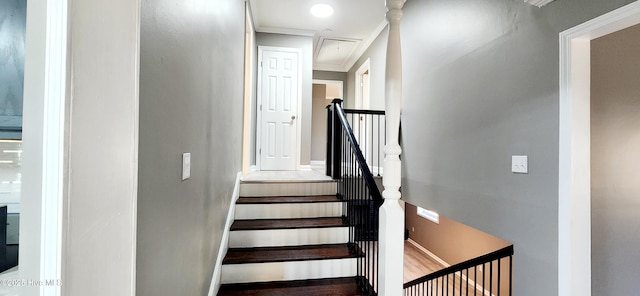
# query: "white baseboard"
{"points": [[445, 264], [318, 164], [305, 167], [224, 242]]}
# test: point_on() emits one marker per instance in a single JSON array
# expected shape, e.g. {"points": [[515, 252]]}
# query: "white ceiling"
{"points": [[338, 40]]}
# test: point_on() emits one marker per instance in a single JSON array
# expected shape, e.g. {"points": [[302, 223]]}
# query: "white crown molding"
{"points": [[284, 31], [538, 3]]}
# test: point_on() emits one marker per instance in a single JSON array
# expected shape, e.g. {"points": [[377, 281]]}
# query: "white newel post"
{"points": [[391, 238]]}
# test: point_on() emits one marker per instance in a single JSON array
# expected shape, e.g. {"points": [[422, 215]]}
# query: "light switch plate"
{"points": [[186, 166], [519, 164]]}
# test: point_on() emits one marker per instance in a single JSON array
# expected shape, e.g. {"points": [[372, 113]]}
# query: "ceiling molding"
{"points": [[538, 3], [285, 31]]}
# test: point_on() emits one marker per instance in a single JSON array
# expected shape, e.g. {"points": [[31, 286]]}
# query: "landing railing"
{"points": [[369, 130], [488, 275], [360, 196]]}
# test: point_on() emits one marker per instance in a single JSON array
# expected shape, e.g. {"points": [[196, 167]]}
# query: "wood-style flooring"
{"points": [[340, 286], [417, 263]]}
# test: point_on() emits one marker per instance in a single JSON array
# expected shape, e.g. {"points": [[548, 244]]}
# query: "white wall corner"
{"points": [[224, 242], [538, 3]]}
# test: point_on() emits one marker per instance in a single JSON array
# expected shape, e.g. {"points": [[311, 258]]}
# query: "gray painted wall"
{"points": [[481, 84], [615, 142], [191, 98], [330, 75], [306, 44], [377, 55], [319, 124]]}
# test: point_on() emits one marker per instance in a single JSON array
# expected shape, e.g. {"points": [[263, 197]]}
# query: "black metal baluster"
{"points": [[498, 286], [491, 278], [510, 275]]}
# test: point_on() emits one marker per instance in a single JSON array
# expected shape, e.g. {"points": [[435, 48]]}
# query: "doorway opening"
{"points": [[574, 186], [323, 92]]}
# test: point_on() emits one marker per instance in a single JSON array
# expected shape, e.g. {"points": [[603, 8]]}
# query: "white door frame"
{"points": [[46, 103], [359, 101], [574, 186], [259, 104]]}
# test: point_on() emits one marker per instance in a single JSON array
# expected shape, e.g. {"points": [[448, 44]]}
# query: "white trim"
{"points": [[445, 264], [249, 74], [574, 197], [54, 146], [46, 84], [224, 242], [364, 67], [318, 164], [305, 167], [285, 31]]}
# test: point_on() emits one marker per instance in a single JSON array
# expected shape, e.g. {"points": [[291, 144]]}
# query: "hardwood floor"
{"points": [[290, 253], [322, 287], [417, 263]]}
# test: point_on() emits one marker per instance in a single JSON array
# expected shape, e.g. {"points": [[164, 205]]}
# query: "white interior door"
{"points": [[279, 99]]}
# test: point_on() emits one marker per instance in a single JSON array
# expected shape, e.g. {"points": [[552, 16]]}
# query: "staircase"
{"points": [[289, 238]]}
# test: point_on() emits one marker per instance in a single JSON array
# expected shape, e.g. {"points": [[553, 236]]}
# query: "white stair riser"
{"points": [[289, 210], [288, 237], [290, 270], [288, 189]]}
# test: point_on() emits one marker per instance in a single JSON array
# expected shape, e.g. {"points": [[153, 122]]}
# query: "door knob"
{"points": [[293, 117]]}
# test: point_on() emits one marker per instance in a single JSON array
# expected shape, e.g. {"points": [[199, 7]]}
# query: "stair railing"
{"points": [[488, 275], [360, 196]]}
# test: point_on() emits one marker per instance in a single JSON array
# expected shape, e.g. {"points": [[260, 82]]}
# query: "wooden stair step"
{"points": [[287, 199], [267, 224], [289, 253], [321, 287]]}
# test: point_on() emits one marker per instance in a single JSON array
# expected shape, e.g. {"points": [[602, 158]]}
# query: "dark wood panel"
{"points": [[287, 199], [289, 253], [321, 287], [263, 224]]}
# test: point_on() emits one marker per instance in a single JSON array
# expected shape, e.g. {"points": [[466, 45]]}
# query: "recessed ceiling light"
{"points": [[321, 10]]}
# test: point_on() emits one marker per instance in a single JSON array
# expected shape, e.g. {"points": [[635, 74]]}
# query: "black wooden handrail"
{"points": [[360, 111], [486, 258], [367, 175]]}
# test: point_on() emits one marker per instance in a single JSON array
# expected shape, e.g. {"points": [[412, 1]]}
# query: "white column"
{"points": [[391, 239]]}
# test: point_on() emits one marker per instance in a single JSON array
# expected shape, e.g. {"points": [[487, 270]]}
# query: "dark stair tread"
{"points": [[263, 224], [287, 199], [289, 253], [320, 287]]}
